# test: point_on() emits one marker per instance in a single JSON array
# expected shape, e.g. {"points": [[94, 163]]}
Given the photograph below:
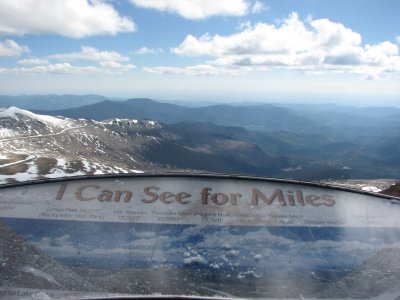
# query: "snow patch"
{"points": [[117, 120], [372, 189], [30, 157], [86, 165], [13, 112], [30, 174], [59, 172], [5, 132], [120, 170]]}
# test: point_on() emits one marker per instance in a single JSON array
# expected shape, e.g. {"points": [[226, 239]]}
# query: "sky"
{"points": [[204, 50]]}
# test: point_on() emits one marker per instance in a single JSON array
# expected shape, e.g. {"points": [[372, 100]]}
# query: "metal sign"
{"points": [[218, 234], [194, 200]]}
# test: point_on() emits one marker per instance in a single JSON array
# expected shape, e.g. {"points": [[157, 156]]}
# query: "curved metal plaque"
{"points": [[198, 235]]}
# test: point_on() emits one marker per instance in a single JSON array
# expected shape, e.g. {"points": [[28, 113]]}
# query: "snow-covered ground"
{"points": [[367, 185], [30, 157], [60, 170], [36, 146], [16, 113]]}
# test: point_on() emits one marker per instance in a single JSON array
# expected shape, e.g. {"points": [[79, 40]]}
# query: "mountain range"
{"points": [[49, 102], [39, 146], [327, 140], [254, 116], [142, 135]]}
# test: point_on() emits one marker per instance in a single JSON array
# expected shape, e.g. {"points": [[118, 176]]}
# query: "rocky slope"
{"points": [[39, 146], [36, 146], [393, 190]]}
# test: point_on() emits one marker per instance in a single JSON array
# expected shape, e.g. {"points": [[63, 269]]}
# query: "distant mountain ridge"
{"points": [[49, 102], [254, 116]]}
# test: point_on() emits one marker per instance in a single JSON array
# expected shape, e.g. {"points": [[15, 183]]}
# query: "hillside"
{"points": [[39, 146]]}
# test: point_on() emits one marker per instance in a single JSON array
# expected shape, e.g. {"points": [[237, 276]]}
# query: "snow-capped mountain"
{"points": [[35, 146], [38, 146], [15, 122]]}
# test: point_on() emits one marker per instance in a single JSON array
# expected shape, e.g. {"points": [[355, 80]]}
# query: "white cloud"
{"points": [[109, 62], [107, 67], [116, 66], [292, 37], [71, 18], [201, 9], [319, 46], [60, 68], [11, 48], [33, 61], [145, 50], [90, 53]]}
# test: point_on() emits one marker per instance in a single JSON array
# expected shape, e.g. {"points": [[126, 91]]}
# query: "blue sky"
{"points": [[226, 50]]}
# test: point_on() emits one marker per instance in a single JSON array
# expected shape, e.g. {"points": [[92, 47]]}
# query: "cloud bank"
{"points": [[317, 46], [109, 62]]}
